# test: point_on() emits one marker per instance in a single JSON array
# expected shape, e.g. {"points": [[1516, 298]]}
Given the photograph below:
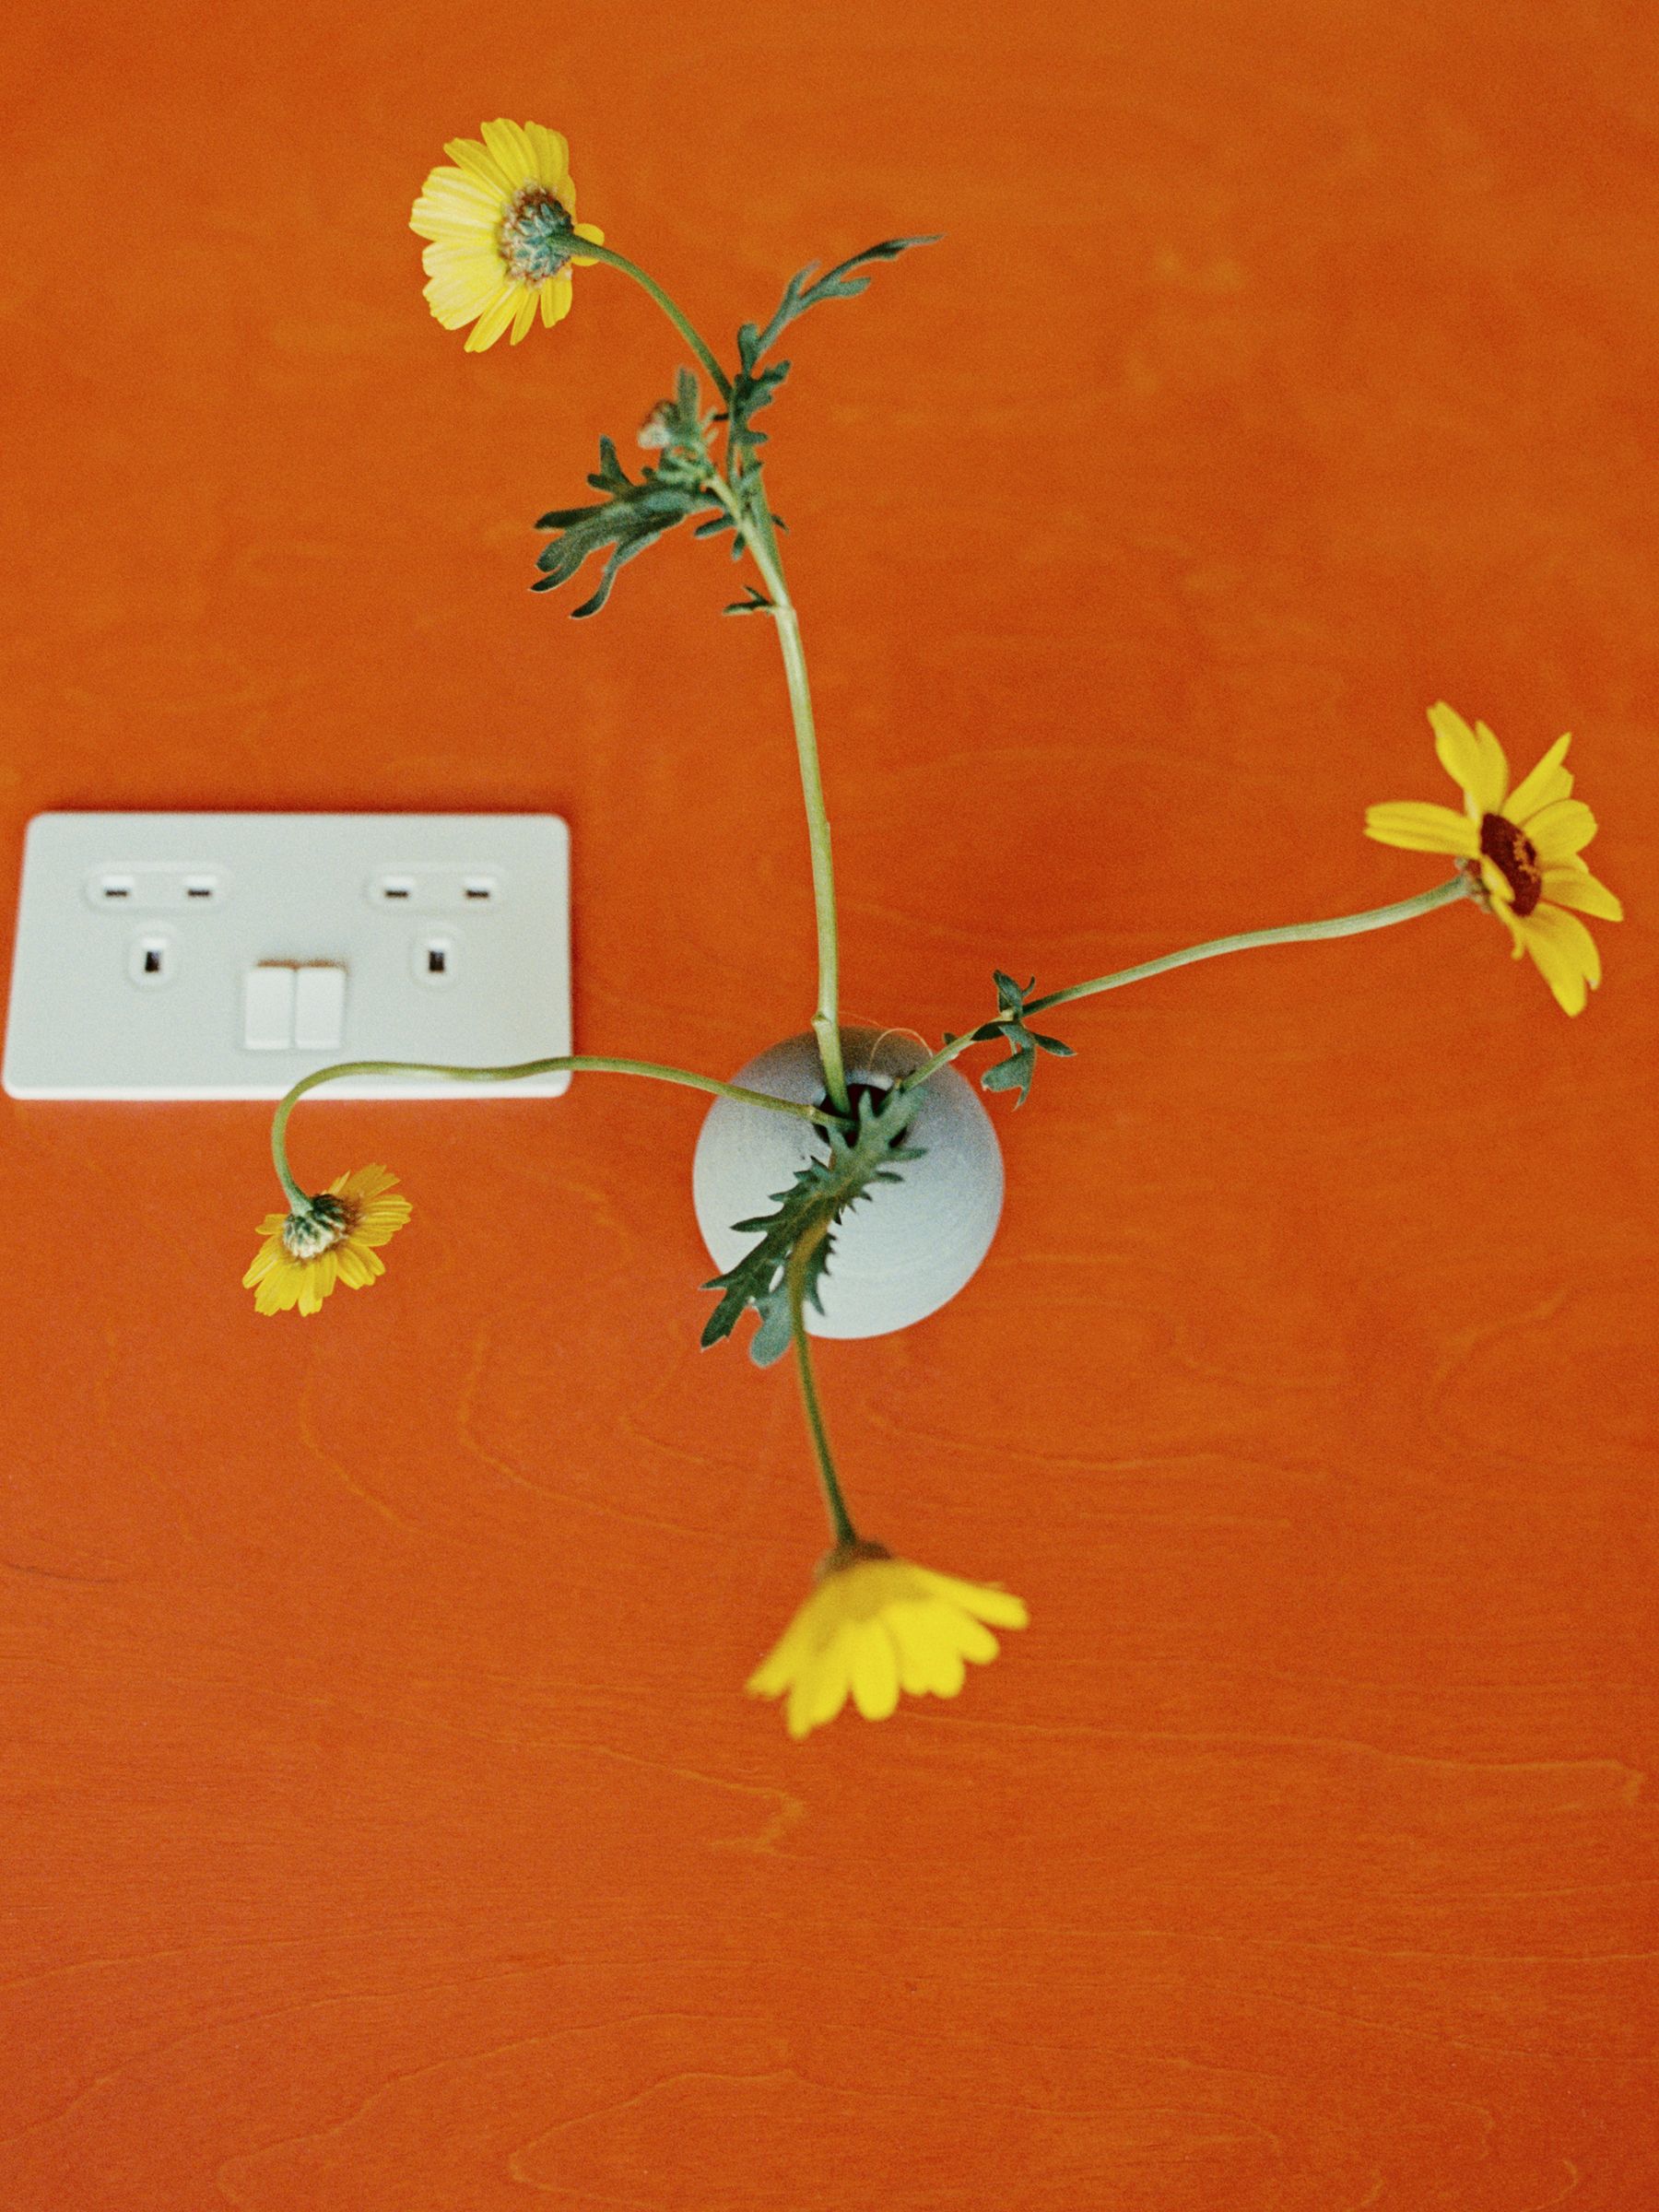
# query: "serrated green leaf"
{"points": [[1014, 1073], [632, 516], [755, 387], [820, 1194]]}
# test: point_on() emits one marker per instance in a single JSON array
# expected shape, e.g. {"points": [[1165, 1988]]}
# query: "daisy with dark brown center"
{"points": [[1519, 849]]}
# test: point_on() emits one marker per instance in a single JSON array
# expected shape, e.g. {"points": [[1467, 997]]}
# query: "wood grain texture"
{"points": [[384, 1828]]}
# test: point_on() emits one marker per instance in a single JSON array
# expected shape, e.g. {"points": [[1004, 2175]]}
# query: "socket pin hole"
{"points": [[200, 887], [116, 887], [152, 959], [437, 960], [476, 889], [397, 887]]}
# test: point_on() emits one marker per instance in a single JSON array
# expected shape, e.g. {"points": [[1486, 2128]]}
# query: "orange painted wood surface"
{"points": [[384, 1826]]}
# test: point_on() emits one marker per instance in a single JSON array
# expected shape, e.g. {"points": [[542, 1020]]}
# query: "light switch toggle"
{"points": [[290, 1006], [319, 1005]]}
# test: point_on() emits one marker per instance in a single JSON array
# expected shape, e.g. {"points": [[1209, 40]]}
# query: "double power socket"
{"points": [[224, 955]]}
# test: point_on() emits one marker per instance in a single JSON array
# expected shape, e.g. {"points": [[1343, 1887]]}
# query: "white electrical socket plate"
{"points": [[179, 956]]}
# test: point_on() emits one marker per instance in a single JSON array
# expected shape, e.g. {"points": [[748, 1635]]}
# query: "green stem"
{"points": [[576, 1063], [753, 521], [841, 1521], [1294, 933], [586, 250]]}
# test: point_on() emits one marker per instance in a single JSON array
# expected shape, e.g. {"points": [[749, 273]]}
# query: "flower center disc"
{"points": [[536, 235], [1515, 858], [307, 1235]]}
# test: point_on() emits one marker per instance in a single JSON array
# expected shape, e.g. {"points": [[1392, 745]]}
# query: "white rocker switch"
{"points": [[319, 1007], [268, 1009]]}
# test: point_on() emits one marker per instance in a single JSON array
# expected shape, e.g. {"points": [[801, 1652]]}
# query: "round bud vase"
{"points": [[907, 1247]]}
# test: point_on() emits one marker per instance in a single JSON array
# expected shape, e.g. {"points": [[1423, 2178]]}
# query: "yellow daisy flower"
{"points": [[875, 1625], [1521, 848], [503, 227], [304, 1255]]}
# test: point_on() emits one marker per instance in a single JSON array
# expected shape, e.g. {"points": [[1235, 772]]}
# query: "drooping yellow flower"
{"points": [[874, 1625], [503, 231], [304, 1255], [1520, 847]]}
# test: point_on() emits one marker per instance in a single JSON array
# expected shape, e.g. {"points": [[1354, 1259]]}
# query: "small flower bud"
{"points": [[655, 435]]}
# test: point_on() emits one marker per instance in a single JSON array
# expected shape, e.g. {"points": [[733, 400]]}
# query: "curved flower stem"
{"points": [[576, 1063], [1294, 933], [587, 250], [841, 1521], [754, 525]]}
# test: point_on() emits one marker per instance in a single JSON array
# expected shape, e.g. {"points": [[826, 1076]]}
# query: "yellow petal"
{"points": [[874, 1670], [1549, 780], [455, 212], [1565, 953], [982, 1599], [552, 153], [826, 1683], [1470, 757], [1561, 830], [1578, 887], [556, 298], [807, 1634], [515, 155], [279, 1290], [1419, 827], [477, 161], [523, 315], [595, 237], [494, 319]]}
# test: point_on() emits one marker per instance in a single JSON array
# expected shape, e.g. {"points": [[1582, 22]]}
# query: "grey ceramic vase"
{"points": [[907, 1248]]}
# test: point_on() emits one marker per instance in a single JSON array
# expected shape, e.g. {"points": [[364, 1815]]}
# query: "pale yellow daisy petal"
{"points": [[1546, 783], [515, 155], [278, 1292], [1472, 757], [556, 298], [450, 215], [982, 1599], [595, 237], [458, 188], [523, 315], [814, 1628], [552, 153], [270, 1255], [1565, 954], [912, 1630], [477, 161], [829, 1680], [1560, 830], [1506, 916], [494, 319], [463, 257], [1419, 827], [874, 1672], [974, 1641], [369, 1182], [1577, 887]]}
